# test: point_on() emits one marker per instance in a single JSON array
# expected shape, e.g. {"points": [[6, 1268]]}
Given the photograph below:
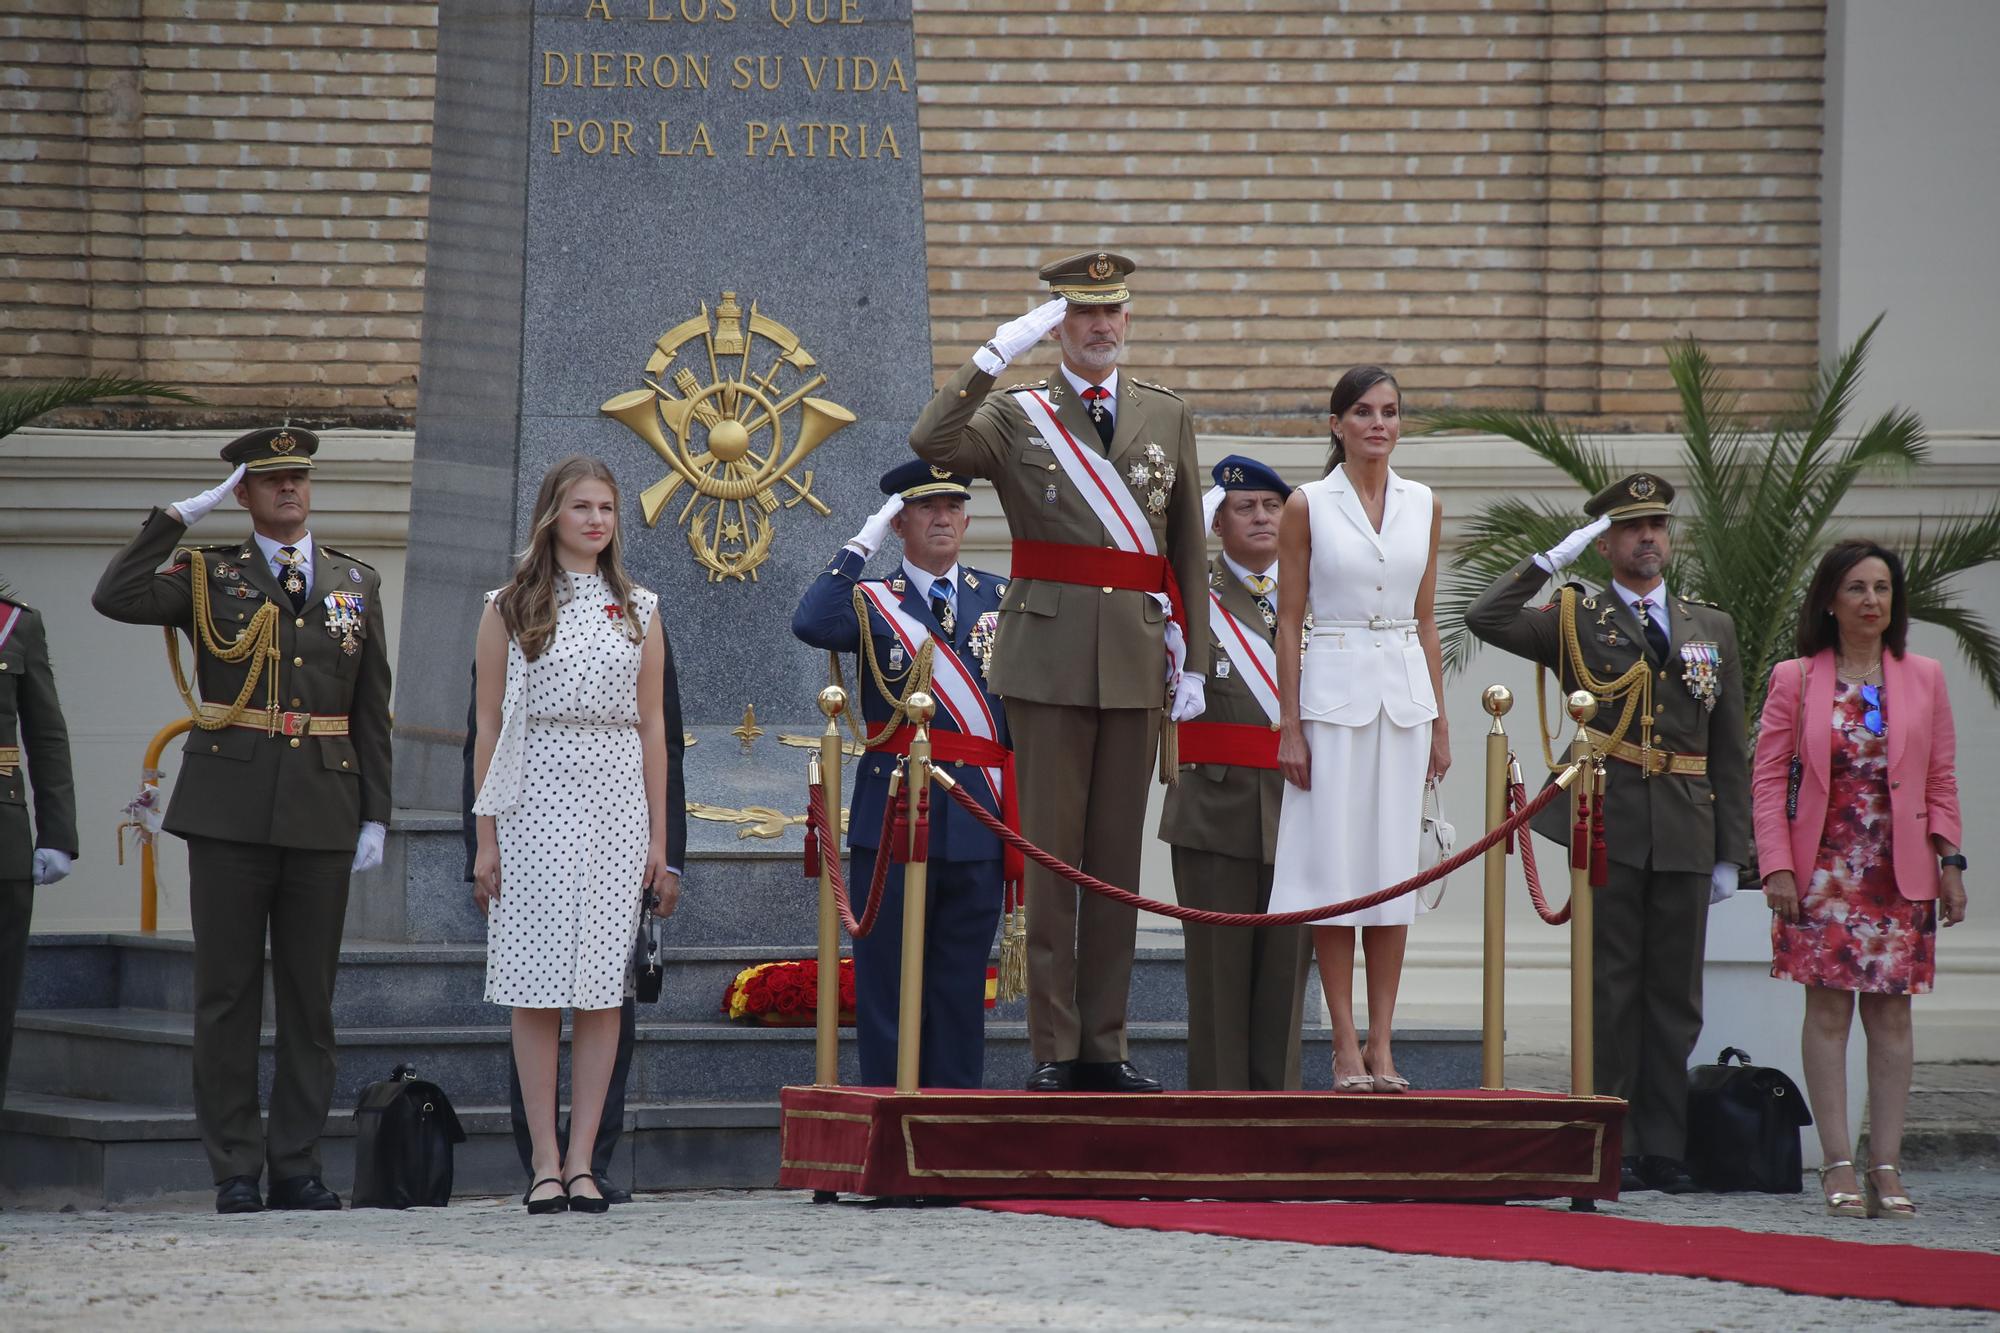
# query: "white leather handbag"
{"points": [[1436, 840]]}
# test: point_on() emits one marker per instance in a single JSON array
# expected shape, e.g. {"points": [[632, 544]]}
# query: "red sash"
{"points": [[955, 747], [1243, 744], [1101, 567]]}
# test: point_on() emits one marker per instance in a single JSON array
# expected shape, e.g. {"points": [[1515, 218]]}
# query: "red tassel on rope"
{"points": [[899, 829], [920, 823], [1600, 859], [812, 852], [1579, 835]]}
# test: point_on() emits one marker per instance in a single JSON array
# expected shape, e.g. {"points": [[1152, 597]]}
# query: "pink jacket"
{"points": [[1923, 777]]}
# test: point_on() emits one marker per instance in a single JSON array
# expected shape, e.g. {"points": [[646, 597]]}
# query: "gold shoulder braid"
{"points": [[257, 642], [1635, 687], [916, 677]]}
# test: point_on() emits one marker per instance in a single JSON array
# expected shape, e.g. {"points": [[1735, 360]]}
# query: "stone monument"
{"points": [[685, 236]]}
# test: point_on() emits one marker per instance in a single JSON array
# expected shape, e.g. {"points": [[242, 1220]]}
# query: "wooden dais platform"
{"points": [[1201, 1145]]}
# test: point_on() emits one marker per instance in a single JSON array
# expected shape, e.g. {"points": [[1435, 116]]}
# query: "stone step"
{"points": [[59, 1150], [385, 984], [122, 1054]]}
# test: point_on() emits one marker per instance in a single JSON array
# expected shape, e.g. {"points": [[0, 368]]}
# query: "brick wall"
{"points": [[1508, 200], [230, 196]]}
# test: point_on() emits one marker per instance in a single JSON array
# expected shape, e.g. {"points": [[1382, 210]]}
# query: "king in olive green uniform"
{"points": [[283, 791], [1082, 664], [34, 752], [1677, 806]]}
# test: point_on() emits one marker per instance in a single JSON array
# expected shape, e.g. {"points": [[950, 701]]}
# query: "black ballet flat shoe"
{"points": [[586, 1203], [555, 1203]]}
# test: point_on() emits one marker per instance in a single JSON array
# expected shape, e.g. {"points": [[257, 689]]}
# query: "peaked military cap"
{"points": [[1095, 277], [918, 480], [1635, 496], [1239, 473], [273, 449]]}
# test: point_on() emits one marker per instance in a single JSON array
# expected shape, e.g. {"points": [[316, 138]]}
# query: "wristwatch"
{"points": [[1956, 861]]}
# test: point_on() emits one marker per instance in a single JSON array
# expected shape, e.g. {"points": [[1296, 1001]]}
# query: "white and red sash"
{"points": [[957, 692], [1256, 659], [10, 615], [1114, 504]]}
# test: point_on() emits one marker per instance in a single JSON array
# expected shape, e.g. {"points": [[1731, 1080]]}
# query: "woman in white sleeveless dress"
{"points": [[1359, 726], [571, 765]]}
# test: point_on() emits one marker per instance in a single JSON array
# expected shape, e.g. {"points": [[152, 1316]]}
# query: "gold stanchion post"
{"points": [[910, 1011], [1582, 705], [826, 1049], [1498, 699]]}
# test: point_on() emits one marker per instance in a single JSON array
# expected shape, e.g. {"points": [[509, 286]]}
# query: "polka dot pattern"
{"points": [[573, 849]]}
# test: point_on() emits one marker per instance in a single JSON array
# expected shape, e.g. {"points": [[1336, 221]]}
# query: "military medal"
{"points": [[1049, 493], [1157, 475], [1698, 670], [241, 590], [979, 643], [1222, 667], [225, 571], [895, 657], [344, 611]]}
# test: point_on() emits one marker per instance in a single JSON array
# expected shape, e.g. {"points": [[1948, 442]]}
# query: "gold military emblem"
{"points": [[1232, 474], [942, 474], [284, 442], [1100, 267], [711, 442], [1641, 488]]}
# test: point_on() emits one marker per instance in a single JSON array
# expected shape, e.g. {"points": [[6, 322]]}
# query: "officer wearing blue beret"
{"points": [[1246, 987], [927, 625]]}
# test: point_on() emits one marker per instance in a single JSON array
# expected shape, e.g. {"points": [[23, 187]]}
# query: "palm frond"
{"points": [[22, 403], [1976, 641], [1587, 464], [1497, 538]]}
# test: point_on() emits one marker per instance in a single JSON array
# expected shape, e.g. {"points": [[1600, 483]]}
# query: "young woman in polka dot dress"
{"points": [[571, 764]]}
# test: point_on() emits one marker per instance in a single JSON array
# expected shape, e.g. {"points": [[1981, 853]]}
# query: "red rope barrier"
{"points": [[1517, 794], [817, 827], [1205, 918]]}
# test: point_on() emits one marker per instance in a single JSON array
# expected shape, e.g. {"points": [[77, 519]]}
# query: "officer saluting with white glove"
{"points": [[283, 793], [1104, 628]]}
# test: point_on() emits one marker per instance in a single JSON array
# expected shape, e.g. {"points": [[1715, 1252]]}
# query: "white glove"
{"points": [[1211, 503], [1558, 558], [368, 847], [195, 508], [1190, 698], [1722, 882], [876, 530], [51, 865], [1018, 335]]}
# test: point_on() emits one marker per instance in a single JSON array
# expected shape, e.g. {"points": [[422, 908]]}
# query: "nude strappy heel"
{"points": [[1840, 1203]]}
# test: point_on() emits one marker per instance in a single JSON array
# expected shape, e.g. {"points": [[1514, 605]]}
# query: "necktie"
{"points": [[941, 608], [1656, 638], [294, 581], [1100, 416], [1260, 590]]}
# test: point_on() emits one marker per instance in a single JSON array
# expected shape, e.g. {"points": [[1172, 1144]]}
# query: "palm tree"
{"points": [[1756, 514], [22, 403]]}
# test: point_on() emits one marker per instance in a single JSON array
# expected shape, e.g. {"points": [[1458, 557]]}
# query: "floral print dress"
{"points": [[1855, 931]]}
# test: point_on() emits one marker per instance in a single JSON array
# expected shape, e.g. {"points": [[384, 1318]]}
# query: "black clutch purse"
{"points": [[648, 972]]}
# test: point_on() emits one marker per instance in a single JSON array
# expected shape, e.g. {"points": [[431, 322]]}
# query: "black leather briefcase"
{"points": [[1743, 1127], [404, 1133]]}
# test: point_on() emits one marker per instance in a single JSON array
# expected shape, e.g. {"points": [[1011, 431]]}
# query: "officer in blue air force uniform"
{"points": [[960, 608]]}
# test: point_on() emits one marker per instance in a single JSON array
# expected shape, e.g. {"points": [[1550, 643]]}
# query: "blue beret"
{"points": [[918, 480], [1238, 473]]}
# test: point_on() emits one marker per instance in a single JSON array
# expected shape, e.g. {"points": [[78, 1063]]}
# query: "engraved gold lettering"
{"points": [[770, 72], [784, 13], [600, 69], [621, 137], [836, 142], [818, 11], [755, 132], [726, 10], [588, 133], [895, 75], [555, 69], [635, 69], [701, 141], [886, 144], [850, 11], [698, 142], [599, 9], [740, 78], [815, 71], [558, 131]]}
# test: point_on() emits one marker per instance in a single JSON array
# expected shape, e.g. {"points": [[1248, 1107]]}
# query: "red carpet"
{"points": [[1805, 1264]]}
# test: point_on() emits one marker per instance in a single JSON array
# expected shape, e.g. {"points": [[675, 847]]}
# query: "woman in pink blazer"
{"points": [[1855, 794]]}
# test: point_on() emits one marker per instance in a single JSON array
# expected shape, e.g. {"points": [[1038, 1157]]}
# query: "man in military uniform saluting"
{"points": [[1677, 819], [34, 751], [900, 629], [283, 792], [1096, 472], [1245, 987]]}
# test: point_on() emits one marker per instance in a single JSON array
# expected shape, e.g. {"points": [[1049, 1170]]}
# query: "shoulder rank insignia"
{"points": [[970, 581], [1215, 578], [345, 556], [898, 585], [1157, 388]]}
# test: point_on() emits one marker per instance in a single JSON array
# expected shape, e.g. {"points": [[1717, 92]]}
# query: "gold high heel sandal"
{"points": [[1840, 1203], [1898, 1206]]}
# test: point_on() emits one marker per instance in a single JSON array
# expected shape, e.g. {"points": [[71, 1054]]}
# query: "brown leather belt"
{"points": [[10, 759], [1655, 760], [280, 723]]}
